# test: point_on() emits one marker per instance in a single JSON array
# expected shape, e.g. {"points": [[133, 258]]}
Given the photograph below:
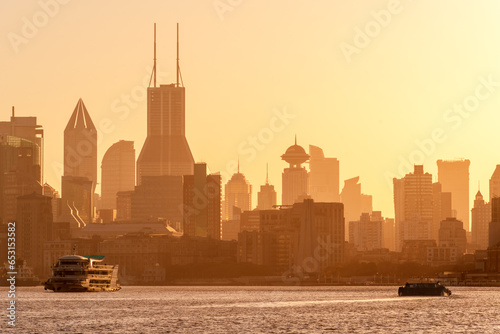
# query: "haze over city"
{"points": [[241, 65], [249, 166]]}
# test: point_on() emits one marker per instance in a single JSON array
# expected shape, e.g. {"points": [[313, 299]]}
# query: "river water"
{"points": [[253, 310]]}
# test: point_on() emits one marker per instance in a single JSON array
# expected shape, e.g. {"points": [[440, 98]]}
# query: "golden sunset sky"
{"points": [[370, 82]]}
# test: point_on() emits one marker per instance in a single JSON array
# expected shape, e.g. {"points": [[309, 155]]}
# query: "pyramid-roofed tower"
{"points": [[80, 145]]}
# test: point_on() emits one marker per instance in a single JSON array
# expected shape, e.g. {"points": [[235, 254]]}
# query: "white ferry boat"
{"points": [[75, 273]]}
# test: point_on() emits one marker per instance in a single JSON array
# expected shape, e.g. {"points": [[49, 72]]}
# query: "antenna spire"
{"points": [[178, 68], [154, 63], [267, 173], [238, 164], [295, 139]]}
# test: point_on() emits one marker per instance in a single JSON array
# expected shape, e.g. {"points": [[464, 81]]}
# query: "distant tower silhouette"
{"points": [[494, 230], [266, 198], [495, 183], [294, 178], [166, 150], [80, 145], [323, 177], [442, 208], [202, 203], [355, 203], [118, 172], [481, 217], [413, 206], [238, 193], [454, 177]]}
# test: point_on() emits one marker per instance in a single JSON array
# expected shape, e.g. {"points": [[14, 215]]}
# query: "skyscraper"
{"points": [[238, 193], [495, 183], [413, 206], [355, 203], [80, 165], [21, 162], [454, 177], [481, 217], [368, 232], [158, 197], [441, 203], [292, 237], [202, 203], [118, 172], [323, 176], [78, 198], [494, 230], [80, 145], [389, 231], [452, 234], [20, 165], [166, 150], [266, 197], [34, 227], [295, 180], [26, 128]]}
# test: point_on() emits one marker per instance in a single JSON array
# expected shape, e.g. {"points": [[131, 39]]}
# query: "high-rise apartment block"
{"points": [[368, 232], [413, 206], [291, 238]]}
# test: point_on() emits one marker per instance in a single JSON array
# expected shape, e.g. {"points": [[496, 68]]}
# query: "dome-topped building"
{"points": [[295, 179], [295, 155]]}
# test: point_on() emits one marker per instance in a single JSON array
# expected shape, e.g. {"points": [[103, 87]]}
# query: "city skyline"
{"points": [[326, 102], [249, 166]]}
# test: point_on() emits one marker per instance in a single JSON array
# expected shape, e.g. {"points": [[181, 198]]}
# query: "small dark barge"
{"points": [[424, 289]]}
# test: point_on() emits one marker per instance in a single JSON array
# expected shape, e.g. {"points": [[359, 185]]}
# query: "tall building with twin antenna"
{"points": [[166, 150]]}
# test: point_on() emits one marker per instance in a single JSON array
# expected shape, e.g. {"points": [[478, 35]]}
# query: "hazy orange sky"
{"points": [[366, 99]]}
